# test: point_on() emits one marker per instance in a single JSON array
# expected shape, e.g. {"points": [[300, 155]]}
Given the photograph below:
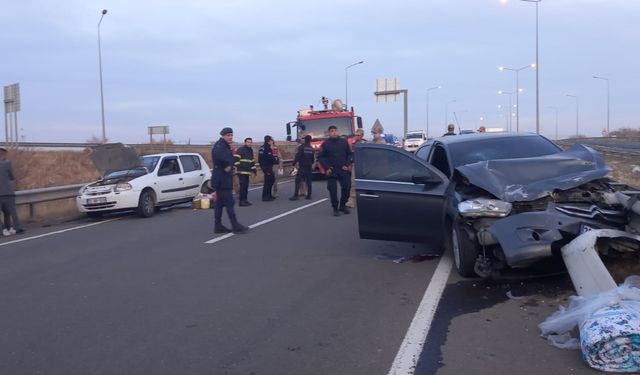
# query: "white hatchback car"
{"points": [[144, 184]]}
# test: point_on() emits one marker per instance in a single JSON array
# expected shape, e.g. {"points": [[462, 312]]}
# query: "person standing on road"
{"points": [[376, 132], [222, 180], [304, 158], [12, 223], [267, 160], [279, 172], [451, 130], [358, 138], [335, 157], [245, 166]]}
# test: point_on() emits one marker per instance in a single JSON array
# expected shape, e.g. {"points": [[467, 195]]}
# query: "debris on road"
{"points": [[608, 317]]}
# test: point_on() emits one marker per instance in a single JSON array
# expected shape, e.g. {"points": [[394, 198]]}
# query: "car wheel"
{"points": [[95, 215], [146, 204], [465, 250]]}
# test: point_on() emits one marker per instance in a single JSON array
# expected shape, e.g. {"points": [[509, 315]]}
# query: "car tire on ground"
{"points": [[146, 204], [465, 249]]}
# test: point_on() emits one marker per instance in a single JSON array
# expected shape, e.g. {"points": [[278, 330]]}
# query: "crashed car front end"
{"points": [[527, 209]]}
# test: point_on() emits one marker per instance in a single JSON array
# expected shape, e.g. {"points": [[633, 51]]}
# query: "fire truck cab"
{"points": [[316, 123]]}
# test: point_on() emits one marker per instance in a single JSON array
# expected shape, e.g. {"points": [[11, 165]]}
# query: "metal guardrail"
{"points": [[34, 196]]}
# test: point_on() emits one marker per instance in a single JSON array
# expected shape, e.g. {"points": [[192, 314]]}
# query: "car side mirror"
{"points": [[359, 121], [425, 179]]}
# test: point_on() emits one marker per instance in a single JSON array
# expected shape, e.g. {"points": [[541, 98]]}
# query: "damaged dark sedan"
{"points": [[498, 201]]}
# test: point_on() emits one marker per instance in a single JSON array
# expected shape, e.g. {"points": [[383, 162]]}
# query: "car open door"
{"points": [[399, 197]]}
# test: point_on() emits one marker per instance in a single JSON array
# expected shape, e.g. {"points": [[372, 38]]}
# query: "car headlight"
{"points": [[122, 186], [484, 207], [82, 189]]}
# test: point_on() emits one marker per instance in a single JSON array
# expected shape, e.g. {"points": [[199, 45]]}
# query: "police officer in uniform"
{"points": [[304, 158], [245, 166], [222, 180], [266, 159], [335, 157]]}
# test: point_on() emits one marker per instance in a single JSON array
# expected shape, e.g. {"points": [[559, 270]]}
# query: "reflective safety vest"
{"points": [[245, 163]]}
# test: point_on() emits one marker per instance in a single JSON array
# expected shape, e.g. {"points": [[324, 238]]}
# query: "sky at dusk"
{"points": [[198, 66]]}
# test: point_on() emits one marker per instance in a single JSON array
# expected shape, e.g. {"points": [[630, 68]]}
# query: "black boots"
{"points": [[219, 228], [238, 228]]}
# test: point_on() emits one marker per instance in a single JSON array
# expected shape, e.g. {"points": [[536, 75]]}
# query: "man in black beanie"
{"points": [[222, 181]]}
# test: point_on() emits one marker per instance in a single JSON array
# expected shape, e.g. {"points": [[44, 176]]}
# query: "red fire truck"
{"points": [[316, 122]]}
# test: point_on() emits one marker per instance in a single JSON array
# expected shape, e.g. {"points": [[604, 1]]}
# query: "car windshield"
{"points": [[463, 153], [414, 136], [317, 128], [150, 162]]}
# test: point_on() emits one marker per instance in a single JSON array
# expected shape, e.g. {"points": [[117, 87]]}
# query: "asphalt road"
{"points": [[301, 294]]}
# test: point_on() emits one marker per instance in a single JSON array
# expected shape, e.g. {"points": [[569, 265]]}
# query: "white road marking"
{"points": [[57, 232], [223, 237], [279, 183], [409, 352]]}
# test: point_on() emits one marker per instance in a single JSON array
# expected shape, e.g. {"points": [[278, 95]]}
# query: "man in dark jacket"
{"points": [[451, 130], [245, 166], [8, 197], [222, 180], [336, 157], [267, 160], [304, 159]]}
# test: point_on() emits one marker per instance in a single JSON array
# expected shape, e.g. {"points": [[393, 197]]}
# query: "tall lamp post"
{"points": [[517, 90], [346, 82], [446, 112], [537, 70], [104, 134], [608, 100], [556, 109], [500, 92], [577, 113], [430, 89]]}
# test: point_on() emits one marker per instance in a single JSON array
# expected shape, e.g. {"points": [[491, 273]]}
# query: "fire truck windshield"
{"points": [[318, 128]]}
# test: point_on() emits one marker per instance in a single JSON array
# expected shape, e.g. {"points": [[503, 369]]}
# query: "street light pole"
{"points": [[104, 134], [429, 89], [577, 113], [608, 101], [510, 108], [446, 112], [537, 70], [556, 109], [517, 90], [346, 83]]}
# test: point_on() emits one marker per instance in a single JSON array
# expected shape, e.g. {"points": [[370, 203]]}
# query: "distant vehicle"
{"points": [[316, 124], [415, 138], [466, 131], [142, 184], [391, 139]]}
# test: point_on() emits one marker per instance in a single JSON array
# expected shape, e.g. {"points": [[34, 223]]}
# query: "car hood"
{"points": [[528, 179], [112, 157]]}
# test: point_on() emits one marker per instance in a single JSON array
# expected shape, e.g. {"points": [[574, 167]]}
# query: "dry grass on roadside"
{"points": [[39, 169]]}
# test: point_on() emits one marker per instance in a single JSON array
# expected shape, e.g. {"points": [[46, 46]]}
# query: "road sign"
{"points": [[158, 130], [387, 90], [12, 98]]}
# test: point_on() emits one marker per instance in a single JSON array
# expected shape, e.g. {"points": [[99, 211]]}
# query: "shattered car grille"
{"points": [[591, 211]]}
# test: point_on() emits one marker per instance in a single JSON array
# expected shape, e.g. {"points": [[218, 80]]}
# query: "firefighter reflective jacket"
{"points": [[245, 163]]}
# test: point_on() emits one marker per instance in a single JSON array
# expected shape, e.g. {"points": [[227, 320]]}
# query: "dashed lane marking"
{"points": [[225, 236], [57, 232]]}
